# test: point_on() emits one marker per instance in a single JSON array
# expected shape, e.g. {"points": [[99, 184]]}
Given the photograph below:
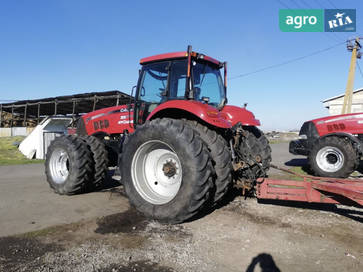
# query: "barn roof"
{"points": [[341, 95], [66, 105]]}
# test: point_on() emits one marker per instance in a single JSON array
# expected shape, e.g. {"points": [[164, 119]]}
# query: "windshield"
{"points": [[207, 83]]}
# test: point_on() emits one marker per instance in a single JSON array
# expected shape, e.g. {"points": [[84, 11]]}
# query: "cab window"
{"points": [[154, 82]]}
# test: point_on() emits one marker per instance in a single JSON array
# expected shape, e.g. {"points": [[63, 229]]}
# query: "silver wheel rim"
{"points": [[156, 172], [330, 159], [59, 165]]}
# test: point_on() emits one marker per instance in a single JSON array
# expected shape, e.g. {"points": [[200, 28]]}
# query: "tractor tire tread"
{"points": [[221, 158], [197, 184], [351, 159], [81, 165], [100, 159]]}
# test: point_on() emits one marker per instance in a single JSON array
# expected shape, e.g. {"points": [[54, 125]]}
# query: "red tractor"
{"points": [[179, 145], [332, 144]]}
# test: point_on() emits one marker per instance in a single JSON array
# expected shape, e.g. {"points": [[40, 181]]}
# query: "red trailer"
{"points": [[312, 189]]}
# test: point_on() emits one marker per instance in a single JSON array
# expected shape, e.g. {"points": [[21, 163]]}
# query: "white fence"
{"points": [[15, 131]]}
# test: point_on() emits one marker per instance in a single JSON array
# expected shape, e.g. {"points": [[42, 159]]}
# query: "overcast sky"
{"points": [[51, 48]]}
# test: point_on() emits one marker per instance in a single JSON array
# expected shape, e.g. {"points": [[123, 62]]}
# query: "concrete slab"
{"points": [[27, 203]]}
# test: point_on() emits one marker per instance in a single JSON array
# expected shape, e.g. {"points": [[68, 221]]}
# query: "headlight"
{"points": [[303, 137]]}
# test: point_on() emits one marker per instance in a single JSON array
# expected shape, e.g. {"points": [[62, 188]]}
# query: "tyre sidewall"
{"points": [[257, 144], [58, 144], [68, 186], [170, 137], [346, 150]]}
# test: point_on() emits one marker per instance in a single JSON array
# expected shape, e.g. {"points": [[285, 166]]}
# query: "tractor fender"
{"points": [[349, 136], [182, 108], [237, 115]]}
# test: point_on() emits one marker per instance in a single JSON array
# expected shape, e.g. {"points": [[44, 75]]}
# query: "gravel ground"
{"points": [[241, 236]]}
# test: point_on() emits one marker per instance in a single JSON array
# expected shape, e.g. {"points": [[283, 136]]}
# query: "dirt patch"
{"points": [[129, 241], [140, 266], [15, 250], [126, 222], [171, 233], [240, 209]]}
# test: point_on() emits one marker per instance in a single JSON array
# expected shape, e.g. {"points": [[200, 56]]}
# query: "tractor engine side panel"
{"points": [[112, 120]]}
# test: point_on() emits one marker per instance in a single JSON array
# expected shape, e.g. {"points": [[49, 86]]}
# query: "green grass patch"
{"points": [[299, 170], [41, 232], [57, 229], [277, 141], [284, 175], [9, 153]]}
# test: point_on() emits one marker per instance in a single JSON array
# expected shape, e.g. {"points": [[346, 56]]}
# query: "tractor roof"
{"points": [[178, 55]]}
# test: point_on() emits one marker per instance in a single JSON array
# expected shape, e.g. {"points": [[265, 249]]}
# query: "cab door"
{"points": [[152, 89]]}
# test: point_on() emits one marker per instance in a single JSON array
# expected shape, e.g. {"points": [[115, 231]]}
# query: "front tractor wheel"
{"points": [[333, 157], [166, 170], [256, 153]]}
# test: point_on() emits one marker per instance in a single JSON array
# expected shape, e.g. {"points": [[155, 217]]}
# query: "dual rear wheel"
{"points": [[76, 164], [167, 171], [173, 170]]}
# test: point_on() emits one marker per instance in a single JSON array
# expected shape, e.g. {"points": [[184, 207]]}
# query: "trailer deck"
{"points": [[312, 189]]}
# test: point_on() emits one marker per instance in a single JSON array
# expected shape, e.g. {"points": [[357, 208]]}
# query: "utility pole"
{"points": [[347, 104]]}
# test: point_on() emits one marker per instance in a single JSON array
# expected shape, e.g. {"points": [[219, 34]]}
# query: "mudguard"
{"points": [[201, 110]]}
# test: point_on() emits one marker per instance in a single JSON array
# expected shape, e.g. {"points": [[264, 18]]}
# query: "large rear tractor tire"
{"points": [[221, 159], [166, 171], [69, 165], [100, 159], [255, 147], [333, 157]]}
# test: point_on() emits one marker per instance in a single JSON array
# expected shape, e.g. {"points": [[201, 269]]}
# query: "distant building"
{"points": [[335, 104], [20, 117]]}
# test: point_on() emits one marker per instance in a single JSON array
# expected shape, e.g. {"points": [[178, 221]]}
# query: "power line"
{"points": [[286, 62], [306, 4], [360, 70], [282, 3], [296, 4], [331, 3], [320, 5], [333, 37]]}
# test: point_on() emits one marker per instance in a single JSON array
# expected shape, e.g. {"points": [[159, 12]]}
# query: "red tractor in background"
{"points": [[180, 147], [333, 145]]}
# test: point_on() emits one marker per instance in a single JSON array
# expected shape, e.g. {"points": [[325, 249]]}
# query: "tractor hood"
{"points": [[335, 118], [351, 123], [235, 114]]}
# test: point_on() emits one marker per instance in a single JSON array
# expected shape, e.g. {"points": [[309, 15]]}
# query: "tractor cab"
{"points": [[179, 76]]}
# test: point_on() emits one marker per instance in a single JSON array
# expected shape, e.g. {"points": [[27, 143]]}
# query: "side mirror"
{"points": [[131, 96], [132, 90]]}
